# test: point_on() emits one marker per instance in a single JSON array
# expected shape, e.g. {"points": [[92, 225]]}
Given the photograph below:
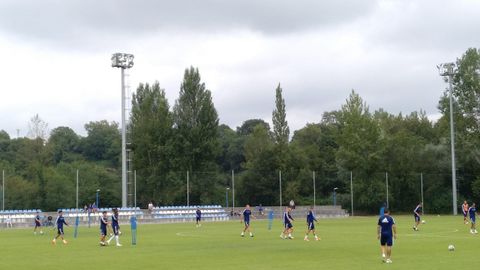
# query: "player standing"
{"points": [[465, 211], [103, 227], [198, 217], [287, 223], [416, 214], [310, 225], [386, 233], [59, 223], [38, 224], [246, 219], [472, 211], [115, 227]]}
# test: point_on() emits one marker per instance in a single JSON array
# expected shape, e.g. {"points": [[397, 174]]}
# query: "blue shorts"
{"points": [[37, 224], [116, 229], [199, 218], [417, 217], [288, 225], [472, 220], [60, 231], [311, 226], [247, 223], [386, 239], [103, 231]]}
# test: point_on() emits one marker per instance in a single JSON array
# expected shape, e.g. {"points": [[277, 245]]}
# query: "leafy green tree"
{"points": [[248, 126], [196, 135], [231, 156], [151, 133], [4, 144], [281, 131], [359, 151], [64, 144], [259, 183], [103, 142]]}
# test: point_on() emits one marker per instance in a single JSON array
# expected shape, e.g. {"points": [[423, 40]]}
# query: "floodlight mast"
{"points": [[123, 61], [448, 70]]}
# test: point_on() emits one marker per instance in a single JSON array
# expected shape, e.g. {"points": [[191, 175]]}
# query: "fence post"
{"points": [[314, 189], [3, 190], [421, 192], [386, 183], [233, 190], [351, 190], [188, 188], [280, 182]]}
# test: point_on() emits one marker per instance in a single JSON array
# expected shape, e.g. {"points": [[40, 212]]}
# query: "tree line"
{"points": [[170, 143]]}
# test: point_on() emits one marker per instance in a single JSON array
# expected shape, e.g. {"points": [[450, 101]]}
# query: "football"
{"points": [[451, 247], [292, 204], [423, 222]]}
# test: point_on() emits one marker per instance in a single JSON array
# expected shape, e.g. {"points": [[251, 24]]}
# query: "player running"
{"points": [[472, 211], [246, 220], [115, 227], [287, 223], [386, 233], [59, 223], [465, 211], [310, 225], [416, 214], [198, 217], [38, 224], [103, 227]]}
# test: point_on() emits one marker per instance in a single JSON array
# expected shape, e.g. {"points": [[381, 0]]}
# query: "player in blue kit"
{"points": [[310, 225], [198, 217], [247, 213], [115, 227], [38, 224], [472, 212], [103, 227], [416, 214], [387, 232], [59, 223], [287, 223]]}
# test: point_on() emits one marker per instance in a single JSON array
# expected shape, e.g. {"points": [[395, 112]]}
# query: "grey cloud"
{"points": [[429, 25], [75, 22]]}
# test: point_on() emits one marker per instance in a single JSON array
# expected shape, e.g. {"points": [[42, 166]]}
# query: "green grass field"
{"points": [[346, 244]]}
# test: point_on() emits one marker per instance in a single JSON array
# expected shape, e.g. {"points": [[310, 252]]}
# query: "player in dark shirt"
{"points": [[247, 213], [387, 232], [103, 227], [472, 210], [311, 225], [198, 217], [416, 214], [287, 223], [59, 223], [38, 224], [115, 227]]}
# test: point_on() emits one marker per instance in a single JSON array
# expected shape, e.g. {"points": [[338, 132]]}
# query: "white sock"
{"points": [[111, 237], [116, 239]]}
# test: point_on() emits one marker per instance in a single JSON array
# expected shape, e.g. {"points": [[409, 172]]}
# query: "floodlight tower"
{"points": [[123, 61], [448, 70]]}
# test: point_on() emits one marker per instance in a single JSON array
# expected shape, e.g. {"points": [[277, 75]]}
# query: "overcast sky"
{"points": [[56, 55]]}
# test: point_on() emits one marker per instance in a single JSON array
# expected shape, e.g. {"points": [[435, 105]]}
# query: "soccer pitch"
{"points": [[349, 243]]}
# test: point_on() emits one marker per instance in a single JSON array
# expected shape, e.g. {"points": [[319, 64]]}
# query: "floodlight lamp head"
{"points": [[446, 69], [122, 60]]}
